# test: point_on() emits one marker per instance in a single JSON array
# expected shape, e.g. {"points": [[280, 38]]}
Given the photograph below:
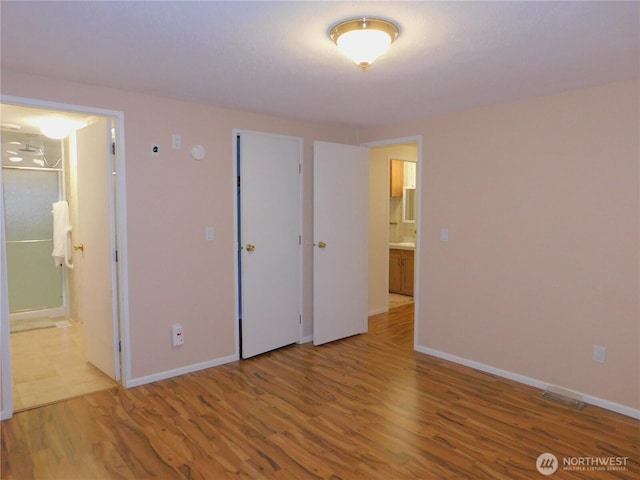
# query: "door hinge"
{"points": [[115, 255], [299, 239], [119, 346], [300, 319], [299, 168], [238, 180], [113, 148]]}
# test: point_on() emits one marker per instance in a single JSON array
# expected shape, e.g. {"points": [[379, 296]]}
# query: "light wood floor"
{"points": [[367, 407], [49, 365]]}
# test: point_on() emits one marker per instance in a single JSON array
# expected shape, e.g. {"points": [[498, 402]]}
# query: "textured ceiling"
{"points": [[276, 57]]}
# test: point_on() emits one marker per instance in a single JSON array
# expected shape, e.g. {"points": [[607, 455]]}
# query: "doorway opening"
{"points": [[49, 218], [402, 227], [394, 227]]}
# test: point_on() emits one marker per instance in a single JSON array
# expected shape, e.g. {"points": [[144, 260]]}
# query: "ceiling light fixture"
{"points": [[364, 39], [58, 127]]}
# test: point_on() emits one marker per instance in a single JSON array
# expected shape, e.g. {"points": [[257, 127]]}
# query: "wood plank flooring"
{"points": [[366, 407]]}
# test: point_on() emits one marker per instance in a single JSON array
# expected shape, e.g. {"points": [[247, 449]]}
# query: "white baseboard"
{"points": [[136, 382], [590, 399], [376, 311], [46, 312]]}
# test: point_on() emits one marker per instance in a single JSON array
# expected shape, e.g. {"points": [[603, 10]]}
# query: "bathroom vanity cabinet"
{"points": [[401, 271]]}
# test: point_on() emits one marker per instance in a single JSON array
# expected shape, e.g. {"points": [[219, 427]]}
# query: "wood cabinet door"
{"points": [[407, 272], [396, 178], [395, 271]]}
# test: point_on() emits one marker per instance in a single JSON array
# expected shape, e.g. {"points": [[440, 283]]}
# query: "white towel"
{"points": [[60, 229]]}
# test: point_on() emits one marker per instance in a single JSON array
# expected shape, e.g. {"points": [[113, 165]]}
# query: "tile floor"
{"points": [[396, 300], [48, 365]]}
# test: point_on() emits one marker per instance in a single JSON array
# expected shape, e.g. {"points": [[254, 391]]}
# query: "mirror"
{"points": [[409, 205]]}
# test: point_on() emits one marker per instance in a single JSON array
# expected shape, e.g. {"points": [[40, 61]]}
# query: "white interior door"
{"points": [[341, 232], [95, 264], [270, 206]]}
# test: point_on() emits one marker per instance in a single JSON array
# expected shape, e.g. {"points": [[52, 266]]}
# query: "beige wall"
{"points": [[541, 198], [379, 220], [174, 274]]}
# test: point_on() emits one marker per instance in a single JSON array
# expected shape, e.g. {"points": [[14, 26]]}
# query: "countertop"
{"points": [[403, 246]]}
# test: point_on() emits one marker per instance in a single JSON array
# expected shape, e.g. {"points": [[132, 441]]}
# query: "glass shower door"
{"points": [[34, 281]]}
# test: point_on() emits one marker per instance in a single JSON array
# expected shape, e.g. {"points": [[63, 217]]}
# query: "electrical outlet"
{"points": [[599, 353], [177, 335]]}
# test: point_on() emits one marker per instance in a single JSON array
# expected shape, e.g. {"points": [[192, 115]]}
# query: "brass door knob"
{"points": [[80, 247], [250, 248], [322, 245]]}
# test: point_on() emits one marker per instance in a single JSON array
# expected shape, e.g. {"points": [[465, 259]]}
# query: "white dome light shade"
{"points": [[364, 39], [57, 127], [364, 46]]}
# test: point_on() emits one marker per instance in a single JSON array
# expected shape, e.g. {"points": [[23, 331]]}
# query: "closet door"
{"points": [[270, 250], [341, 237]]}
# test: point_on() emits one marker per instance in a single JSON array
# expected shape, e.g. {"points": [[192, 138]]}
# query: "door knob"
{"points": [[250, 248], [322, 245], [80, 247]]}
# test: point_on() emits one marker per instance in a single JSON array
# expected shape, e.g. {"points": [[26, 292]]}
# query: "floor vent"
{"points": [[565, 397]]}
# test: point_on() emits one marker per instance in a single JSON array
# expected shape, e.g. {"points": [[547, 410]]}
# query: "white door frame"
{"points": [[236, 245], [121, 295], [416, 297]]}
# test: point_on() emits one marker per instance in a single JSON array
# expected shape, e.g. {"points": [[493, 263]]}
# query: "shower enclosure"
{"points": [[33, 179]]}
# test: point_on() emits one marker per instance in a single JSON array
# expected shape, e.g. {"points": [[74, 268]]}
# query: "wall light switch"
{"points": [[444, 234], [208, 234], [176, 141]]}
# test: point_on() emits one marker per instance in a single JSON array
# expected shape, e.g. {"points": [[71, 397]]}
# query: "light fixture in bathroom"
{"points": [[15, 159], [58, 127], [364, 39]]}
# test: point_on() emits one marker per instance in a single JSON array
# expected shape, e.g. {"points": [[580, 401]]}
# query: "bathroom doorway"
{"points": [[394, 227], [402, 227], [52, 352]]}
